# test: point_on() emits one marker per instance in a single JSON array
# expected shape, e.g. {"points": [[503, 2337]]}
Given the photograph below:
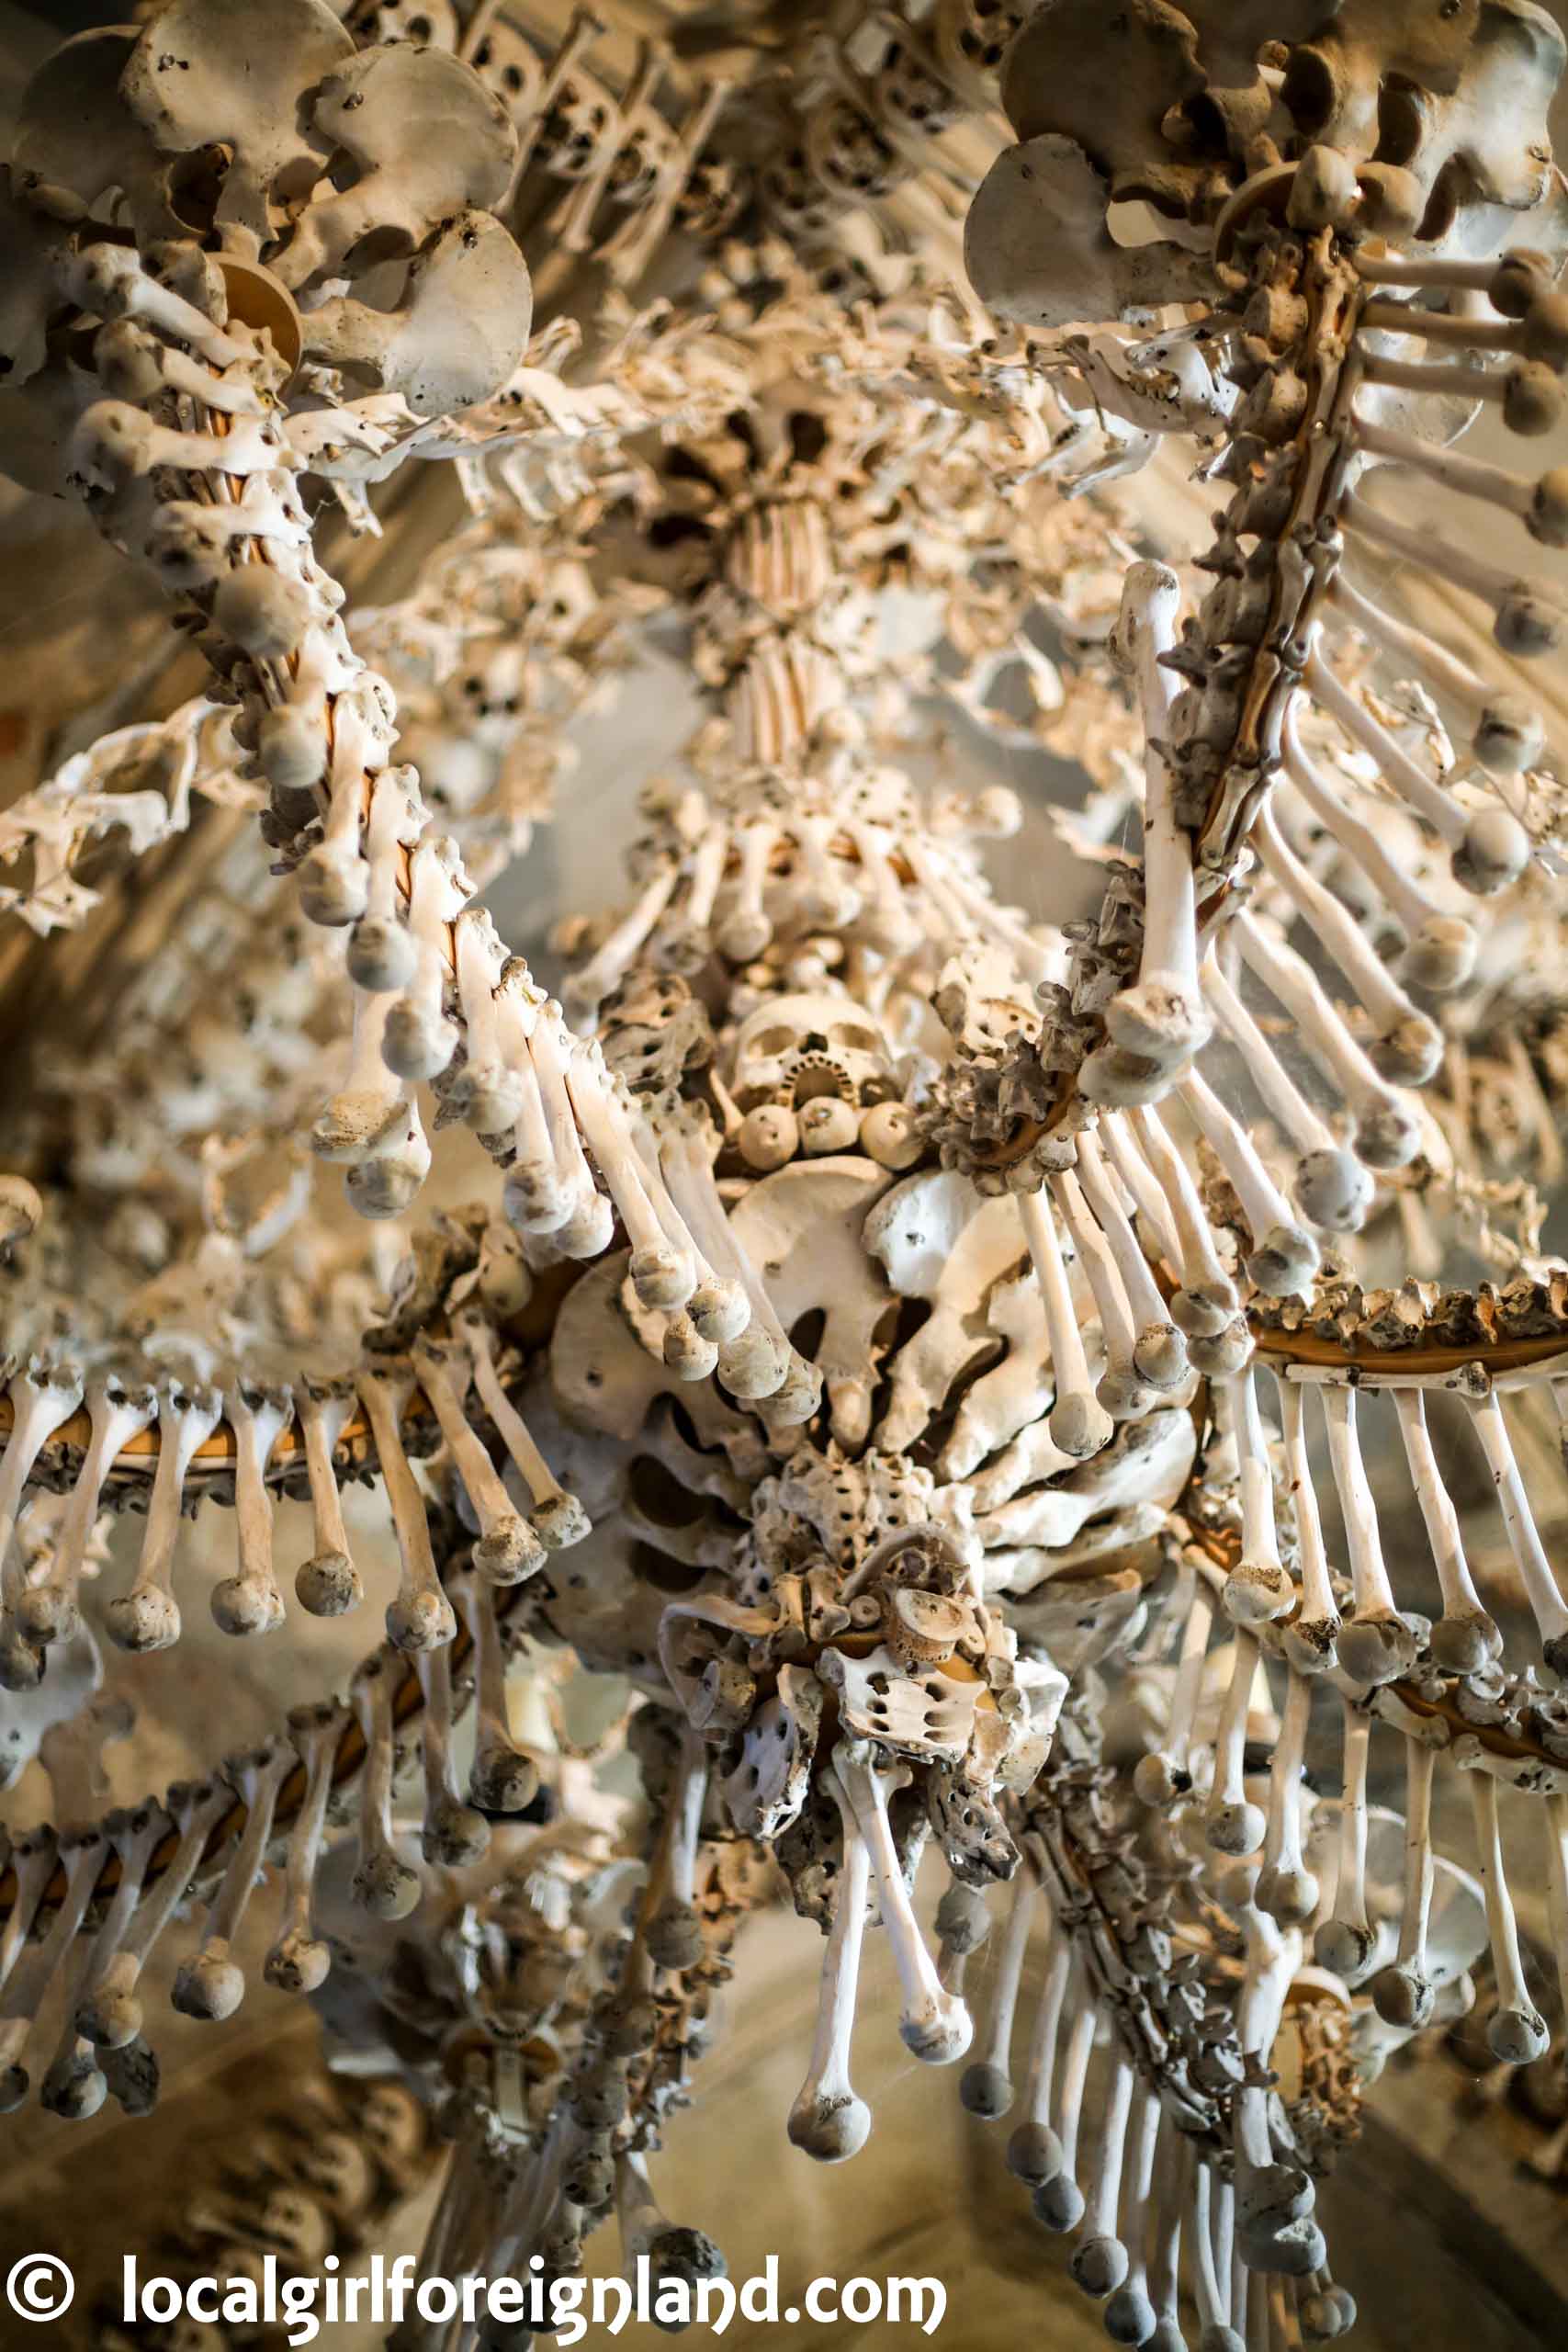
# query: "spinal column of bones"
{"points": [[885, 1591]]}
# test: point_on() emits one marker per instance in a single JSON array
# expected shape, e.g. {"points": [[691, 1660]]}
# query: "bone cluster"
{"points": [[942, 1365]]}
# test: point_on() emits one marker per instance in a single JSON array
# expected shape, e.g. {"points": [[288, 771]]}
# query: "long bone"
{"points": [[586, 989], [1079, 1423], [1442, 946], [1555, 1820], [1538, 331], [662, 1276], [383, 1883], [540, 1196], [718, 1311], [1402, 1991], [250, 1602], [1539, 505], [1273, 2200], [1129, 2314], [1332, 1190], [1510, 280], [418, 1041], [1257, 1588], [33, 1859], [590, 1220], [1159, 1354], [1516, 2032], [985, 2088], [1311, 1640], [1387, 1134], [1033, 2152], [420, 1617], [132, 1835], [1058, 2201], [1286, 1889], [1488, 850], [934, 2025], [327, 1584], [82, 1856], [1233, 1825], [1507, 732], [48, 1611], [334, 879], [381, 949], [1528, 394], [110, 2014], [75, 2085], [504, 1777], [42, 1397], [1099, 2261], [1374, 1643], [1345, 1940], [297, 1962], [213, 1985], [1526, 623], [1284, 1256], [1206, 1306], [454, 1833], [558, 1519], [1211, 2258], [148, 1616], [1536, 1573], [1142, 1187], [758, 1360], [1165, 1774], [1162, 1018], [672, 1929], [962, 1926], [369, 1113], [1465, 1637], [508, 1549], [1174, 2159], [489, 1089], [828, 2119], [1124, 1394], [1409, 1045]]}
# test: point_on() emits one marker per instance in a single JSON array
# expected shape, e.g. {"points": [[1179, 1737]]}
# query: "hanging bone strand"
{"points": [[191, 461], [1289, 230]]}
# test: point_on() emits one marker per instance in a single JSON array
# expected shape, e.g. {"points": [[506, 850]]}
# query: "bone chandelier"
{"points": [[839, 1416]]}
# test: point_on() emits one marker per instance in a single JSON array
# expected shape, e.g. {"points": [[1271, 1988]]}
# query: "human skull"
{"points": [[849, 153], [432, 23], [513, 68], [793, 1048], [634, 174], [972, 36], [911, 94], [580, 121]]}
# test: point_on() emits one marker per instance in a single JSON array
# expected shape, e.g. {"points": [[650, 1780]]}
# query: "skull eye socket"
{"points": [[857, 1036], [773, 1041]]}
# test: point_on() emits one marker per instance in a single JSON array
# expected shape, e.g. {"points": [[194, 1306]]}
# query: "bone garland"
{"points": [[273, 1433]]}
